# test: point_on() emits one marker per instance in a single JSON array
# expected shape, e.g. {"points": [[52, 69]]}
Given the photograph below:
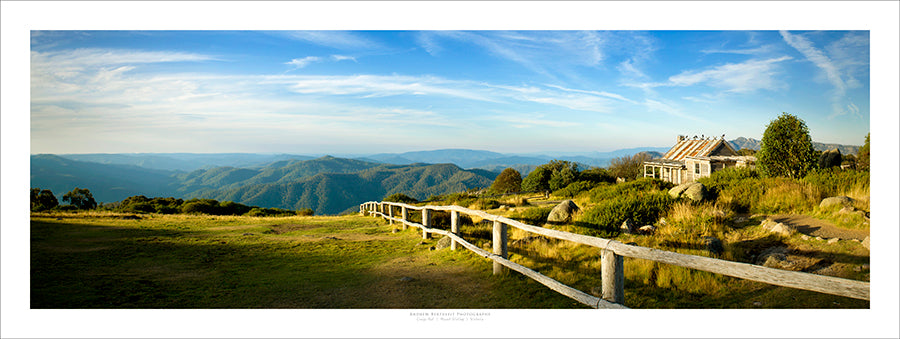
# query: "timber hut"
{"points": [[694, 158]]}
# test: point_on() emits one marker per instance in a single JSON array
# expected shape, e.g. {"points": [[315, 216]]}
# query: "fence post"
{"points": [[390, 213], [404, 214], [454, 228], [426, 220], [499, 242], [612, 275]]}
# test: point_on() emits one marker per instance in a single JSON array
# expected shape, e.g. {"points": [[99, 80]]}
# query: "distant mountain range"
{"points": [[326, 184], [754, 144]]}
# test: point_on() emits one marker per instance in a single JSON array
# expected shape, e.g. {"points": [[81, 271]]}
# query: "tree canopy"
{"points": [[560, 172], [786, 149], [508, 181], [42, 199], [862, 159], [629, 167], [81, 198]]}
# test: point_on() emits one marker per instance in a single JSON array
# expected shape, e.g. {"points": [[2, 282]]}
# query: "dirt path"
{"points": [[818, 227]]}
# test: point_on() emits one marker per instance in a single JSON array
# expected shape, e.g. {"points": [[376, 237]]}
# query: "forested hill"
{"points": [[331, 193], [328, 185]]}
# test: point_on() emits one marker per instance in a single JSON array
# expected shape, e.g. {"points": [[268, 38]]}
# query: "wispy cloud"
{"points": [[300, 63], [838, 74], [747, 51], [532, 121], [668, 108], [336, 57], [805, 47], [335, 39], [742, 77], [597, 93], [541, 52]]}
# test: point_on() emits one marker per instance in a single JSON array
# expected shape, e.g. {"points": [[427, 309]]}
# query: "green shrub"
{"points": [[533, 216], [199, 206], [641, 208], [271, 212], [401, 198], [483, 204], [835, 181], [305, 212], [574, 188], [140, 207], [508, 181], [614, 191]]}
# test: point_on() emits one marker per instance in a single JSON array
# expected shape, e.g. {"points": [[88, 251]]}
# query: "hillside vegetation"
{"points": [[729, 224], [327, 185]]}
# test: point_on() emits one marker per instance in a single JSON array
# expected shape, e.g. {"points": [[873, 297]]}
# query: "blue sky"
{"points": [[340, 92]]}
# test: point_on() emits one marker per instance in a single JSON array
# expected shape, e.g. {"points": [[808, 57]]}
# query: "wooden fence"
{"points": [[612, 255]]}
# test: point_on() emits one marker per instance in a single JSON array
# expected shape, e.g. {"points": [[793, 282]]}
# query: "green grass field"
{"points": [[94, 260], [104, 260]]}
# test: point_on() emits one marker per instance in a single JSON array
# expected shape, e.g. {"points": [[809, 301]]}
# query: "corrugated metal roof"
{"points": [[694, 148]]}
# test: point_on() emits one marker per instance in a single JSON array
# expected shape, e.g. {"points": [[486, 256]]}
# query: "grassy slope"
{"points": [[104, 261]]}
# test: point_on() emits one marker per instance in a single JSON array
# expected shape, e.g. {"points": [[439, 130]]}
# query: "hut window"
{"points": [[696, 168]]}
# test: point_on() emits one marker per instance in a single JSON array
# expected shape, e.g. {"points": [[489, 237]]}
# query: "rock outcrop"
{"points": [[563, 212], [779, 228], [628, 227], [691, 190], [839, 200]]}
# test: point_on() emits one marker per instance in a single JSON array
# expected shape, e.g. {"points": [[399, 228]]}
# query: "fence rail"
{"points": [[612, 255]]}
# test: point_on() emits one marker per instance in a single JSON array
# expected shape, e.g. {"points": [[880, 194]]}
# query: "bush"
{"points": [[508, 181], [834, 181], [628, 167], [401, 198], [862, 156], [641, 208], [141, 207], [533, 216], [786, 148], [271, 212], [482, 204], [537, 180], [574, 188], [305, 212], [596, 175], [199, 206], [614, 191]]}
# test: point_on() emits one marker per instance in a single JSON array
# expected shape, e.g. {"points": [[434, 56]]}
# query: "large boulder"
{"points": [[779, 228], [443, 243], [865, 243], [647, 229], [776, 257], [676, 191], [563, 212], [830, 158], [691, 190], [839, 200], [628, 227]]}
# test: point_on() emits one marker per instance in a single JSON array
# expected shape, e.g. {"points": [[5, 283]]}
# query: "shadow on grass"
{"points": [[85, 266]]}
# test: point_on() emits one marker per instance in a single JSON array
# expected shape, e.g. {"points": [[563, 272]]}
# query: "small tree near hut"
{"points": [[786, 149], [862, 156]]}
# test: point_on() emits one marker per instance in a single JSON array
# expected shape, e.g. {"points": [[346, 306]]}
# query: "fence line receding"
{"points": [[612, 257]]}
